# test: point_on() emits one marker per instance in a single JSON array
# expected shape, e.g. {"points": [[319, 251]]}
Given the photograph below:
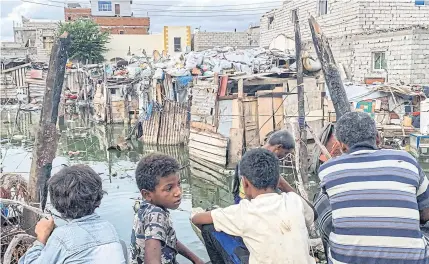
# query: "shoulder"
{"points": [[148, 210]]}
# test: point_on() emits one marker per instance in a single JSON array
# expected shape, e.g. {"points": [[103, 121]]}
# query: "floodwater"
{"points": [[82, 142]]}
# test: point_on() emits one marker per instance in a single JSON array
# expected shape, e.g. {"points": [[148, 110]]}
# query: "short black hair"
{"points": [[355, 128], [261, 168], [75, 191], [283, 138], [152, 167]]}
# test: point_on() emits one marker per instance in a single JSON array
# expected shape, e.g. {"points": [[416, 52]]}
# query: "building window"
{"points": [[293, 15], [323, 7], [121, 32], [177, 45], [68, 18], [379, 60], [104, 6], [270, 22], [112, 91]]}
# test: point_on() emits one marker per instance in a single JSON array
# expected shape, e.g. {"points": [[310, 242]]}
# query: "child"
{"points": [[153, 239], [75, 192], [272, 226]]}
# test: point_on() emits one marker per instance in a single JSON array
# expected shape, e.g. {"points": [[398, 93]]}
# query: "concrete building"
{"points": [[115, 16], [173, 39], [241, 40], [372, 39], [33, 38]]}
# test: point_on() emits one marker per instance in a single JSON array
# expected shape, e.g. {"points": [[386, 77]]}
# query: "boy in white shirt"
{"points": [[273, 226]]}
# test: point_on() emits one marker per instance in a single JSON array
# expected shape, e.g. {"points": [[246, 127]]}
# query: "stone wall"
{"points": [[359, 28], [240, 40]]}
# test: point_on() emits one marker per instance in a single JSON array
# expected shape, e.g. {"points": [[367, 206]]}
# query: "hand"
{"points": [[198, 261], [44, 229]]}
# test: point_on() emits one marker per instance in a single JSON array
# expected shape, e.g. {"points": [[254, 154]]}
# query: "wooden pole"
{"points": [[241, 124], [302, 135], [319, 143], [330, 70], [47, 136]]}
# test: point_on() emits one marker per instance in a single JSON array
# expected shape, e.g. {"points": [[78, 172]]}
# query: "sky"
{"points": [[208, 15]]}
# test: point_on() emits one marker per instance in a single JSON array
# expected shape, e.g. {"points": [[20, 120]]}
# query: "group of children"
{"points": [[265, 227]]}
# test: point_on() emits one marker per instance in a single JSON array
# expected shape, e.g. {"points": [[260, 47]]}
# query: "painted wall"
{"points": [[171, 32], [119, 45]]}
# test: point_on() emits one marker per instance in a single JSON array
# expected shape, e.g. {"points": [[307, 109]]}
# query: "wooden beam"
{"points": [[266, 81], [241, 123], [302, 135], [47, 136], [330, 70], [16, 68]]}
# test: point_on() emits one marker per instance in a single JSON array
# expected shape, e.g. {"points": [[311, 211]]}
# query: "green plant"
{"points": [[88, 42]]}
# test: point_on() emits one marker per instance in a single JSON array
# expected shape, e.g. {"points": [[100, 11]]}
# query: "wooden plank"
{"points": [[265, 81], [208, 170], [208, 134], [207, 147], [203, 126], [16, 68], [205, 140], [234, 147], [221, 160]]}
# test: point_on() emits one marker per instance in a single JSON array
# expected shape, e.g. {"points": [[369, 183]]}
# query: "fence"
{"points": [[166, 124]]}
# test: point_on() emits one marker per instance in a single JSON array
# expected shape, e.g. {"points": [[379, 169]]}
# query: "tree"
{"points": [[88, 43]]}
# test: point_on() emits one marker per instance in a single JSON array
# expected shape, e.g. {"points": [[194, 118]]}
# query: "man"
{"points": [[281, 143], [378, 198]]}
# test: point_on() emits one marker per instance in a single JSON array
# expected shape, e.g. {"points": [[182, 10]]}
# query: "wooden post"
{"points": [[330, 70], [47, 136], [302, 135], [241, 122]]}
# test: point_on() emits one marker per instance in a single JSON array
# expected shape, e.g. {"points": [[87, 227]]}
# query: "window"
{"points": [[121, 32], [104, 6], [379, 60], [270, 22], [68, 18], [177, 45], [293, 15], [323, 7], [112, 91]]}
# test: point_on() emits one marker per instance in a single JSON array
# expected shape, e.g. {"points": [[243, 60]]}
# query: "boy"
{"points": [[75, 192], [153, 239], [273, 226]]}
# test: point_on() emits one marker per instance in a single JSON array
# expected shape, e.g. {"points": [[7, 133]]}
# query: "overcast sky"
{"points": [[210, 15]]}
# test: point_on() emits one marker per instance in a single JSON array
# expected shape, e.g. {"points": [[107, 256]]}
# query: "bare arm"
{"points": [[152, 251], [424, 215], [184, 251], [284, 186], [202, 219]]}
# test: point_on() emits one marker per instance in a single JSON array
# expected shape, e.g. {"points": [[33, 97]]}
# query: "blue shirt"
{"points": [[375, 197], [87, 240]]}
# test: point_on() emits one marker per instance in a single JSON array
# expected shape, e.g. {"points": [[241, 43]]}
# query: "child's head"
{"points": [[260, 171], [157, 177], [75, 191]]}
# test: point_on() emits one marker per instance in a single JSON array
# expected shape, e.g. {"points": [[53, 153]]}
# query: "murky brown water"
{"points": [[86, 143]]}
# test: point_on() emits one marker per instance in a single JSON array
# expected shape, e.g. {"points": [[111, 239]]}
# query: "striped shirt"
{"points": [[375, 197]]}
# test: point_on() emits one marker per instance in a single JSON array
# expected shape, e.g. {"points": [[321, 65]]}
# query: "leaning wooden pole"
{"points": [[47, 136], [302, 135], [330, 70]]}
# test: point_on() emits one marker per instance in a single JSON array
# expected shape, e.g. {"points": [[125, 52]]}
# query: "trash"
{"points": [[73, 153]]}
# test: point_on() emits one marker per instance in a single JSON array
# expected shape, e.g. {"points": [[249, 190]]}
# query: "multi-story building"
{"points": [[114, 16], [373, 39]]}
